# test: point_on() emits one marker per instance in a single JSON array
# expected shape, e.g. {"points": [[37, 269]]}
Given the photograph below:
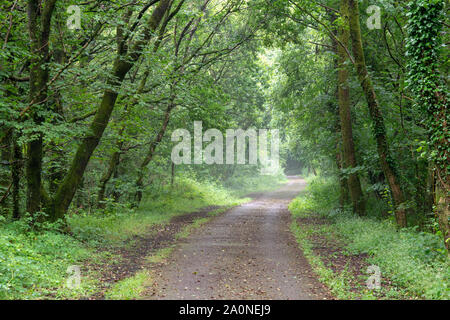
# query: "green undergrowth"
{"points": [[34, 264], [130, 288], [116, 224], [415, 262], [240, 185]]}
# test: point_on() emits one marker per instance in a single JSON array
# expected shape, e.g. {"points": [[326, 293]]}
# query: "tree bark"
{"points": [[440, 125], [354, 184], [385, 158], [16, 172], [172, 173], [344, 198], [5, 181], [343, 184], [39, 26], [112, 168], [443, 214]]}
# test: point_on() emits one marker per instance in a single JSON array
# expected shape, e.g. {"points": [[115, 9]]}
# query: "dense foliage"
{"points": [[88, 107]]}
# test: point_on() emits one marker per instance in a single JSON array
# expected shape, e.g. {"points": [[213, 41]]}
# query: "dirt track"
{"points": [[246, 253]]}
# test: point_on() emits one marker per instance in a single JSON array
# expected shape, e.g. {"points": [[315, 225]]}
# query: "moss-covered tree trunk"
{"points": [[115, 158], [385, 158], [344, 197], [39, 26], [73, 178], [354, 184], [124, 61]]}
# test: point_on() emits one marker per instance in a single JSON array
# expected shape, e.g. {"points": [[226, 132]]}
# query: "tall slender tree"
{"points": [[354, 184], [386, 161], [39, 27], [125, 59]]}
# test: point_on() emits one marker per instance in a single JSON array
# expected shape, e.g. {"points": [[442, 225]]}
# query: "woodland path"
{"points": [[245, 253]]}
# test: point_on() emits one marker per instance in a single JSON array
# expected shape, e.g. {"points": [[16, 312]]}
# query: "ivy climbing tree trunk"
{"points": [[385, 158], [354, 184], [429, 89]]}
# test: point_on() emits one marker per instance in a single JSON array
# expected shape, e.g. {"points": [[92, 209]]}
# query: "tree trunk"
{"points": [[151, 152], [439, 127], [39, 26], [116, 194], [386, 161], [344, 198], [5, 181], [172, 173], [343, 184], [354, 184], [425, 24], [443, 215], [121, 67], [112, 167], [56, 163], [16, 172]]}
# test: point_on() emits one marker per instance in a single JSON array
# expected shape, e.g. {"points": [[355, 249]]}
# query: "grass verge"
{"points": [[34, 265], [412, 264], [130, 288]]}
